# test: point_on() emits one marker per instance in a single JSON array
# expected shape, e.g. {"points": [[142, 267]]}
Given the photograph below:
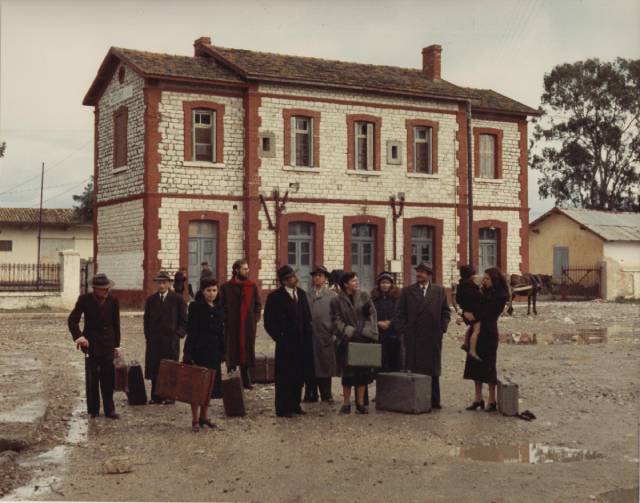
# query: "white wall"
{"points": [[25, 243], [625, 253]]}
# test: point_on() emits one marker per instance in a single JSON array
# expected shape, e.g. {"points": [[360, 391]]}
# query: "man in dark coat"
{"points": [[165, 323], [100, 341], [422, 317], [287, 320], [241, 303]]}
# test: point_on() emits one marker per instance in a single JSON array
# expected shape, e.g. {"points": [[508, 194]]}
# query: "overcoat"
{"points": [[165, 323], [422, 321], [101, 324], [352, 321], [204, 344], [231, 295], [324, 346]]}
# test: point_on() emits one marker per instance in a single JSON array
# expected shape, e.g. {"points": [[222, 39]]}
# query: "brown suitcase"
{"points": [[508, 395], [184, 383], [265, 369], [121, 375], [233, 394]]}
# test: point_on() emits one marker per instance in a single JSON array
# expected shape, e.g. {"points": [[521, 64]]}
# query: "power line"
{"points": [[62, 193], [47, 187]]}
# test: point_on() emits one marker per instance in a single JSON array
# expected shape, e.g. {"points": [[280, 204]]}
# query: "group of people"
{"points": [[311, 330]]}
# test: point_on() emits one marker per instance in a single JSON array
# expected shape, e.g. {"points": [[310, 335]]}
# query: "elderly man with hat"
{"points": [[100, 341], [165, 323], [324, 348], [287, 320], [422, 317]]}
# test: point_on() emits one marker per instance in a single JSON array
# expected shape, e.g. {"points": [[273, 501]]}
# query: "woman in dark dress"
{"points": [[494, 297], [205, 341], [385, 296]]}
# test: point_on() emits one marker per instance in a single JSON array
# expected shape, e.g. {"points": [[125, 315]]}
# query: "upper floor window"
{"points": [[487, 153], [120, 137], [203, 135], [301, 141], [487, 156], [6, 245], [422, 151], [363, 136]]}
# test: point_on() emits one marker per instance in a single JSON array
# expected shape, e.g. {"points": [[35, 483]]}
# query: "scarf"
{"points": [[246, 296]]}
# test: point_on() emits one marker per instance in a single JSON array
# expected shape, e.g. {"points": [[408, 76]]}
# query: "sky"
{"points": [[50, 51]]}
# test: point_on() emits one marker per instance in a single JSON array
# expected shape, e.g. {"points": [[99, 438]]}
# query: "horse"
{"points": [[530, 285]]}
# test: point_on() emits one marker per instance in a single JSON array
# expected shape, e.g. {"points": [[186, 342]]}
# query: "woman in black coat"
{"points": [[385, 296], [205, 341], [495, 293]]}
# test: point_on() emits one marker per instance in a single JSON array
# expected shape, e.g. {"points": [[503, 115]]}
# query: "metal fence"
{"points": [[580, 282], [26, 277]]}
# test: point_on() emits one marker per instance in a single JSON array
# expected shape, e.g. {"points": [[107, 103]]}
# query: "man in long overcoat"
{"points": [[100, 341], [165, 323], [423, 316], [241, 302], [324, 347], [287, 320]]}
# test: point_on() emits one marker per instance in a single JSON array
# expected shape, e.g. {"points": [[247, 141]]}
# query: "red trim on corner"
{"points": [[351, 157], [412, 123], [287, 113], [96, 122], [498, 134], [318, 236], [503, 236], [462, 192], [218, 108], [379, 223], [523, 178], [222, 219], [130, 298], [438, 227]]}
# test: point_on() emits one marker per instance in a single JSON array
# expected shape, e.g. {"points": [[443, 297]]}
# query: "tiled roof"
{"points": [[30, 216], [610, 226]]}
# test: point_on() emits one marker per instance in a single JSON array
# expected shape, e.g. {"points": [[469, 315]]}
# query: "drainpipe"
{"points": [[397, 211], [469, 186]]}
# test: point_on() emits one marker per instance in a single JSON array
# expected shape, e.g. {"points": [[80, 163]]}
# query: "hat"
{"points": [[423, 266], [284, 272], [101, 281], [384, 275], [162, 276], [320, 269]]}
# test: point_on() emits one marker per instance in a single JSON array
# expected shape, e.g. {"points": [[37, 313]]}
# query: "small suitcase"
{"points": [[508, 394], [136, 391], [403, 392], [233, 394], [121, 375], [362, 354], [184, 383], [265, 369]]}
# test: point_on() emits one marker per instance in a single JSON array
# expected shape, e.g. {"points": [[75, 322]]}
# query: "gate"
{"points": [[580, 282], [86, 275]]}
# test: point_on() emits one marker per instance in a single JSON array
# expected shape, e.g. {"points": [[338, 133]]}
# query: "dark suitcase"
{"points": [[184, 383], [508, 395], [363, 354], [265, 369], [403, 392], [136, 391], [233, 394]]}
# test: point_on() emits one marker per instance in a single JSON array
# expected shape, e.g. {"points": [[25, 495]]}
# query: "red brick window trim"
{"points": [[431, 141], [502, 229], [120, 144], [497, 134], [222, 220], [318, 235], [379, 225], [218, 126], [437, 227], [376, 123], [288, 114]]}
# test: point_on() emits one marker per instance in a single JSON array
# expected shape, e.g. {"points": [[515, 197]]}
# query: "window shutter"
{"points": [[355, 145], [213, 137], [430, 150], [292, 141], [370, 146], [193, 135], [310, 140]]}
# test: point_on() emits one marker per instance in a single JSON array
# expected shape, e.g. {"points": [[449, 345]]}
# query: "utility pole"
{"points": [[40, 226]]}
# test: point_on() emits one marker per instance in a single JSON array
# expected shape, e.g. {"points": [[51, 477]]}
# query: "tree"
{"points": [[587, 145], [3, 148], [86, 200]]}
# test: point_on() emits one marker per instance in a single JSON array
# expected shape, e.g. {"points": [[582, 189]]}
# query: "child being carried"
{"points": [[468, 297]]}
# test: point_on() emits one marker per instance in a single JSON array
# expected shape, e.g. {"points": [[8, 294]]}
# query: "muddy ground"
{"points": [[580, 378]]}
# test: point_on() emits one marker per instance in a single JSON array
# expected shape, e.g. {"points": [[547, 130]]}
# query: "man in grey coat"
{"points": [[324, 349], [423, 316]]}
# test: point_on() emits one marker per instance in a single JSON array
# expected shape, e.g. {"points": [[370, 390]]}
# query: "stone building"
{"points": [[287, 159]]}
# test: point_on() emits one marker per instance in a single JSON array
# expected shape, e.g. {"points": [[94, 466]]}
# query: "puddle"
{"points": [[585, 336], [25, 413], [581, 337], [525, 453], [519, 338], [619, 496]]}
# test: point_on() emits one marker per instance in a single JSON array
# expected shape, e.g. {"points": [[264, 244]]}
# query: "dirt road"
{"points": [[580, 378]]}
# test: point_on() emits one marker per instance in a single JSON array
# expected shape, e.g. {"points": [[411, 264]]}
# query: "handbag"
{"points": [[364, 354]]}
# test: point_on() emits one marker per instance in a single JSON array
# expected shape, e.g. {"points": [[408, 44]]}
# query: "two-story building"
{"points": [[286, 159]]}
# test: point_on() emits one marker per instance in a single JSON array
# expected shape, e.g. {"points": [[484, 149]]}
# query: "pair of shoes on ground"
{"points": [[360, 409], [158, 401], [491, 407], [201, 423], [113, 415]]}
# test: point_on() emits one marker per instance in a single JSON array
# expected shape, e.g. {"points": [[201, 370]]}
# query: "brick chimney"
{"points": [[431, 61], [197, 45]]}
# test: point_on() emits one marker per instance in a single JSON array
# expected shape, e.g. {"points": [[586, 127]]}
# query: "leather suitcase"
{"points": [[403, 392], [121, 375], [233, 394], [362, 354], [136, 391], [184, 383], [265, 369], [508, 395]]}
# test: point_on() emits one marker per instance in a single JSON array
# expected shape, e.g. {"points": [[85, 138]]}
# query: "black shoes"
{"points": [[300, 412], [207, 423], [155, 401], [491, 407], [361, 409], [476, 405], [345, 409], [168, 402], [113, 415]]}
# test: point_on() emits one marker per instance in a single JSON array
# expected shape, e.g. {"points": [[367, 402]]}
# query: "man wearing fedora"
{"points": [[165, 323], [100, 341], [287, 320], [422, 317]]}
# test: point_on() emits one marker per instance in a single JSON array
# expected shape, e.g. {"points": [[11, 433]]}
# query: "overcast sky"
{"points": [[51, 51]]}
